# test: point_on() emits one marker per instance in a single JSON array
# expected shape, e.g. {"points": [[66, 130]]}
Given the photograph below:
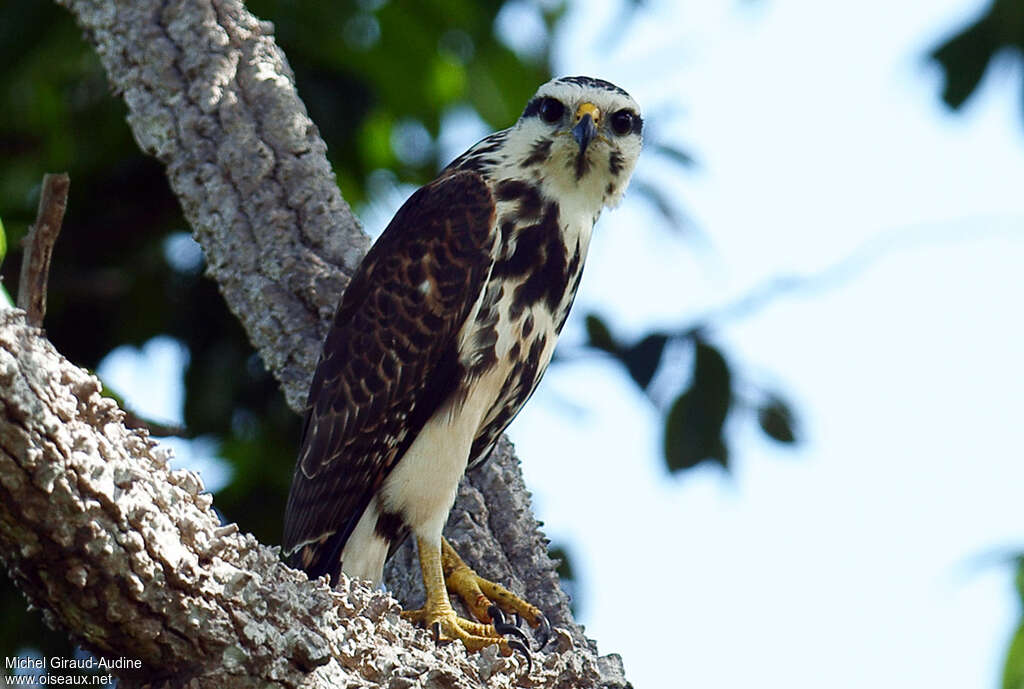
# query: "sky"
{"points": [[867, 554]]}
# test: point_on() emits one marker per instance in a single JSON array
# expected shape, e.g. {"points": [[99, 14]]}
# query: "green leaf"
{"points": [[688, 440], [694, 425], [777, 420], [1013, 670], [599, 336], [642, 359]]}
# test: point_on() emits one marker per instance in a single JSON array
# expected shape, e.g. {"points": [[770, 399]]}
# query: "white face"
{"points": [[582, 136]]}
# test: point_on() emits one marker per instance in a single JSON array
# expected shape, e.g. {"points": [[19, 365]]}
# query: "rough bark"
{"points": [[211, 96], [126, 556]]}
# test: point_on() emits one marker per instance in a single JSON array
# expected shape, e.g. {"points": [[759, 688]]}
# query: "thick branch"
{"points": [[129, 557], [211, 95], [126, 556]]}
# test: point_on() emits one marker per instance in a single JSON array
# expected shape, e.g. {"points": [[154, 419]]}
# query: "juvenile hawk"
{"points": [[441, 337]]}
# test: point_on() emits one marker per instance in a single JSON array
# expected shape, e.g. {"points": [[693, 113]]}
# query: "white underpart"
{"points": [[423, 485], [365, 551]]}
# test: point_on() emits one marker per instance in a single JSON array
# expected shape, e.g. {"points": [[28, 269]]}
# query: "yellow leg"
{"points": [[479, 593], [437, 613]]}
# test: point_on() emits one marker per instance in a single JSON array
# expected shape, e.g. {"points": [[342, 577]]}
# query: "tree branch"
{"points": [[38, 246], [128, 557], [211, 95]]}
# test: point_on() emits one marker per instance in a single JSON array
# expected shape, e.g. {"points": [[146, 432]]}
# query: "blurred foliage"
{"points": [[694, 421], [965, 57]]}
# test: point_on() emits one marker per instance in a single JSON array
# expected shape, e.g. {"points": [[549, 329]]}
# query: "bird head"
{"points": [[582, 136]]}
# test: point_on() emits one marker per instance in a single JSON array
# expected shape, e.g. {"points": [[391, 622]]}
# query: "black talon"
{"points": [[543, 633], [506, 628], [518, 618], [436, 628], [518, 641], [517, 645], [511, 630]]}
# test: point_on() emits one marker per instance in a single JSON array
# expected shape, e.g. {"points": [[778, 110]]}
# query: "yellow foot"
{"points": [[438, 561], [447, 626], [487, 600]]}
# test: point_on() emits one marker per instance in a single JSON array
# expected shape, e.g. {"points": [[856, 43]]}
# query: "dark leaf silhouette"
{"points": [[642, 359], [971, 50], [777, 420], [693, 429], [965, 56], [599, 336]]}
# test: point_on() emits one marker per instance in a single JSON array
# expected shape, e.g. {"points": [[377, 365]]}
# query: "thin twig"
{"points": [[38, 247], [155, 428]]}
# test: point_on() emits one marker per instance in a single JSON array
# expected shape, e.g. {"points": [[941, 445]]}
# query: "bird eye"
{"points": [[622, 122], [551, 110]]}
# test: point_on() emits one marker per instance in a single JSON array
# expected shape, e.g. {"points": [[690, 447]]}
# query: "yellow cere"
{"points": [[588, 109]]}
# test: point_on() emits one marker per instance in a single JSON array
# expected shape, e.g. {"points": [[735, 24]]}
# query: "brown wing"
{"points": [[389, 361]]}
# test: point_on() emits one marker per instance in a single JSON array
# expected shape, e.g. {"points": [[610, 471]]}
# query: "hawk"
{"points": [[442, 335]]}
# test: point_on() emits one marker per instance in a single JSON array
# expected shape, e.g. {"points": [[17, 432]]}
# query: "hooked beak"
{"points": [[587, 116]]}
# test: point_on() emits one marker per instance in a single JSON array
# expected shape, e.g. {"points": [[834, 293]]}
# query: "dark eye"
{"points": [[622, 122], [551, 110]]}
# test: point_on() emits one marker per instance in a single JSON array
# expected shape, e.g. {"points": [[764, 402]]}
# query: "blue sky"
{"points": [[861, 557], [853, 559]]}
